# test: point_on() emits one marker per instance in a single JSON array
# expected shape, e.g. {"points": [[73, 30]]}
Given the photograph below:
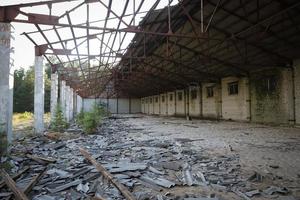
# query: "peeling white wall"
{"points": [[156, 104], [211, 105], [147, 105], [180, 104], [235, 107], [195, 104], [120, 106], [171, 103], [143, 105], [151, 105], [297, 90], [163, 104]]}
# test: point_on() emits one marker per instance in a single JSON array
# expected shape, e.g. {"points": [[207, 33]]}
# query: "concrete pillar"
{"points": [[54, 94], [67, 103], [71, 104], [6, 86], [297, 90], [63, 97], [39, 95]]}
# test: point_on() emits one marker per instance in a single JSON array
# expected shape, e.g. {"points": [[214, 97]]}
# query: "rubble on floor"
{"points": [[50, 168]]}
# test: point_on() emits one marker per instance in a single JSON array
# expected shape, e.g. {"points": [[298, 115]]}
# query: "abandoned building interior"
{"points": [[201, 100]]}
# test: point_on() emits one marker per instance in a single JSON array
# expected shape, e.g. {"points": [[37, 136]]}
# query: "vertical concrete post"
{"points": [[63, 97], [54, 94], [71, 103], [6, 87], [38, 95], [67, 103], [297, 91]]}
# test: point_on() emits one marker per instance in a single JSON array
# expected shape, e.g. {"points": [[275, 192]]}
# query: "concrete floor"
{"points": [[272, 151]]}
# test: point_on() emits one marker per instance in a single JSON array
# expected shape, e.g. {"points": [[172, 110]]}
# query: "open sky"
{"points": [[24, 49]]}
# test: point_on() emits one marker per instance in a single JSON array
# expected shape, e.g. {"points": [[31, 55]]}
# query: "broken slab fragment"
{"points": [[252, 193], [64, 187], [187, 175], [158, 181], [273, 189]]}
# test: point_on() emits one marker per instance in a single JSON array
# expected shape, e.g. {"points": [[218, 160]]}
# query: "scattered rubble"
{"points": [[111, 165]]}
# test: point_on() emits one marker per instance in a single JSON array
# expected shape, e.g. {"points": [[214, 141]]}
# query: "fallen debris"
{"points": [[143, 169], [107, 175], [19, 194]]}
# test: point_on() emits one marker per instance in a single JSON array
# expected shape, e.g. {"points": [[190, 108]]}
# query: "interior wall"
{"points": [[135, 106], [156, 104], [143, 105], [123, 106], [273, 105], [236, 107], [120, 106], [146, 105], [171, 103], [195, 103], [163, 104], [180, 104], [297, 90], [151, 105], [211, 105]]}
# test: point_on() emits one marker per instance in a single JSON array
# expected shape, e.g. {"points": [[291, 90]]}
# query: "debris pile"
{"points": [[112, 165]]}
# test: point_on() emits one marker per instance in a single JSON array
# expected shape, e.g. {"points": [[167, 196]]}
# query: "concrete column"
{"points": [[6, 86], [297, 90], [54, 94], [79, 104], [63, 97], [71, 103], [39, 95], [67, 103]]}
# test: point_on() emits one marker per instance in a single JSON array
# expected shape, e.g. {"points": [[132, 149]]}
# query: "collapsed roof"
{"points": [[173, 46]]}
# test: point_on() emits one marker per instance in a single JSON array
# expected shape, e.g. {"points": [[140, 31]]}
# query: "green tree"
{"points": [[24, 90]]}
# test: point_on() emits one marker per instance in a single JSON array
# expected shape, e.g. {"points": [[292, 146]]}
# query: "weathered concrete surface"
{"points": [[6, 85], [156, 105], [39, 92], [195, 103], [54, 94], [135, 105], [171, 103], [259, 146], [71, 104], [272, 106], [237, 106], [124, 105], [67, 102], [297, 90], [211, 105], [63, 97], [163, 104], [180, 103], [79, 103]]}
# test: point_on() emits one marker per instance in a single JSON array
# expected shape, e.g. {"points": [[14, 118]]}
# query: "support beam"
{"points": [[6, 87], [54, 94], [39, 93]]}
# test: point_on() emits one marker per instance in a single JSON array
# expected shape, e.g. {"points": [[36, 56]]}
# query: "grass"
{"points": [[23, 123]]}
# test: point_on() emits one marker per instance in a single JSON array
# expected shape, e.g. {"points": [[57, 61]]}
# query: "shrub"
{"points": [[89, 121], [59, 122]]}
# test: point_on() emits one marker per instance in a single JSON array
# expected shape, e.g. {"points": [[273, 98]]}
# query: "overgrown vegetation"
{"points": [[89, 121], [24, 90], [59, 123]]}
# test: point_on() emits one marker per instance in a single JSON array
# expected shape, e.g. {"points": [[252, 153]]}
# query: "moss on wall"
{"points": [[267, 105]]}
